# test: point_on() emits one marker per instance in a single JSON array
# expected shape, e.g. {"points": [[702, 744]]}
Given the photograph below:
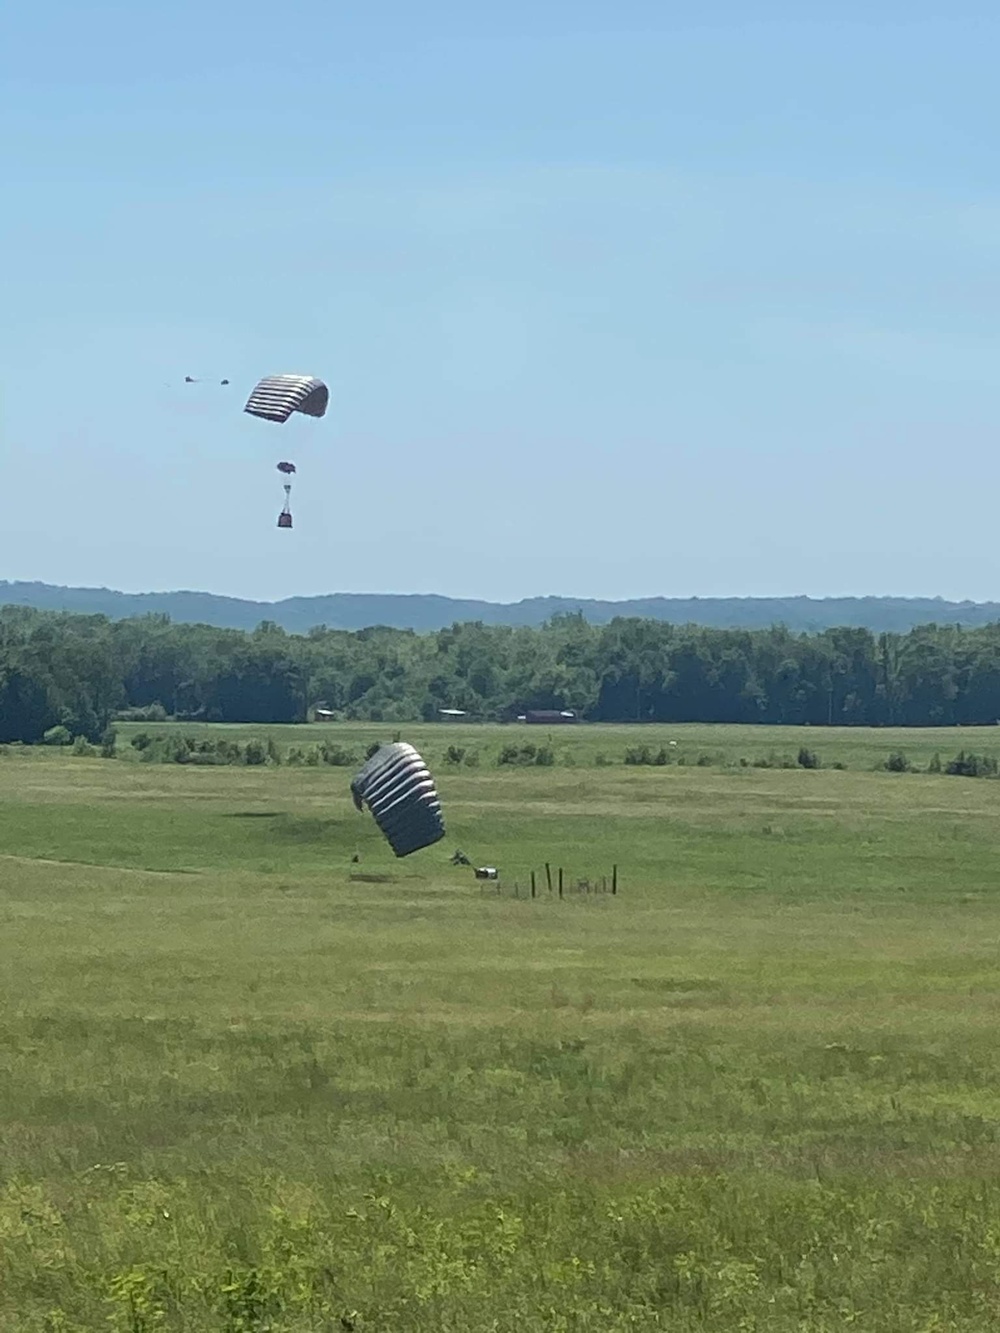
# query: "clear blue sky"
{"points": [[614, 299]]}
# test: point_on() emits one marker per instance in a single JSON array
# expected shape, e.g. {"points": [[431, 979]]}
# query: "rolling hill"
{"points": [[428, 611]]}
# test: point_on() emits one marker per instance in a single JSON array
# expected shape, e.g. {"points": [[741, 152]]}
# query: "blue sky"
{"points": [[614, 299]]}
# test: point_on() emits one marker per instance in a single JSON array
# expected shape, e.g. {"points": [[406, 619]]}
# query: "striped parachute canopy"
{"points": [[398, 789], [276, 397]]}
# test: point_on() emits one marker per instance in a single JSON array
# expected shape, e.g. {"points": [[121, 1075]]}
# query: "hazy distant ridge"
{"points": [[427, 611]]}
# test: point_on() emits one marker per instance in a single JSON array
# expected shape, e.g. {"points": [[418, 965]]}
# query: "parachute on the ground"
{"points": [[276, 397], [398, 789]]}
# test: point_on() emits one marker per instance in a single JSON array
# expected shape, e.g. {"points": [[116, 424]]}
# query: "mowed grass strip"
{"points": [[240, 1090]]}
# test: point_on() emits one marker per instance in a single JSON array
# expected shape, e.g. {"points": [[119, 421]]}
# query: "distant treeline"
{"points": [[81, 672]]}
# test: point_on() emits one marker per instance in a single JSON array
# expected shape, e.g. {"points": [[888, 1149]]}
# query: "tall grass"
{"points": [[241, 1091]]}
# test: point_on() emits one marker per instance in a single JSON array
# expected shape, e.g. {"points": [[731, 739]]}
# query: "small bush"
{"points": [[57, 736], [455, 754], [638, 754], [517, 754], [775, 760], [255, 752], [527, 754], [83, 748], [898, 763], [336, 756], [643, 755], [972, 766], [808, 758], [935, 765]]}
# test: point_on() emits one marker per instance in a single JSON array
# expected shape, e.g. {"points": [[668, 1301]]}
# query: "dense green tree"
{"points": [[79, 671]]}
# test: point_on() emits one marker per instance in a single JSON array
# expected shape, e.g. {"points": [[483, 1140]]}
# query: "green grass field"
{"points": [[757, 1090]]}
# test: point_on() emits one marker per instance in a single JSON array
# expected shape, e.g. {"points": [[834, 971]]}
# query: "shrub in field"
{"points": [[898, 763], [935, 765], [83, 748], [57, 736], [527, 754], [774, 760], [808, 758], [207, 750], [336, 756], [642, 755], [460, 754], [255, 752], [517, 754], [972, 766]]}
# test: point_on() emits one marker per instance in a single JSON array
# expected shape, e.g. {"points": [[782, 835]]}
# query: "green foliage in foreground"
{"points": [[895, 750], [242, 1090]]}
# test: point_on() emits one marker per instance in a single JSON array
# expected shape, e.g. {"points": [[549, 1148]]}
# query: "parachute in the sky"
{"points": [[398, 789], [276, 397]]}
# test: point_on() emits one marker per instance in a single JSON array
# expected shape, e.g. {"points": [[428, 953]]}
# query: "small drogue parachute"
{"points": [[276, 397], [398, 789], [287, 468]]}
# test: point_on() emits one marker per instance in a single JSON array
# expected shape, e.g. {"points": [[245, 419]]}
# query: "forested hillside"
{"points": [[426, 611], [83, 671]]}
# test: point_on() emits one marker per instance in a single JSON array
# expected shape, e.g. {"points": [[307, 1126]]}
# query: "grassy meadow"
{"points": [[243, 1088]]}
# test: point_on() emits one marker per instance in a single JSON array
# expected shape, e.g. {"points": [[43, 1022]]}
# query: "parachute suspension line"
{"points": [[285, 517]]}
